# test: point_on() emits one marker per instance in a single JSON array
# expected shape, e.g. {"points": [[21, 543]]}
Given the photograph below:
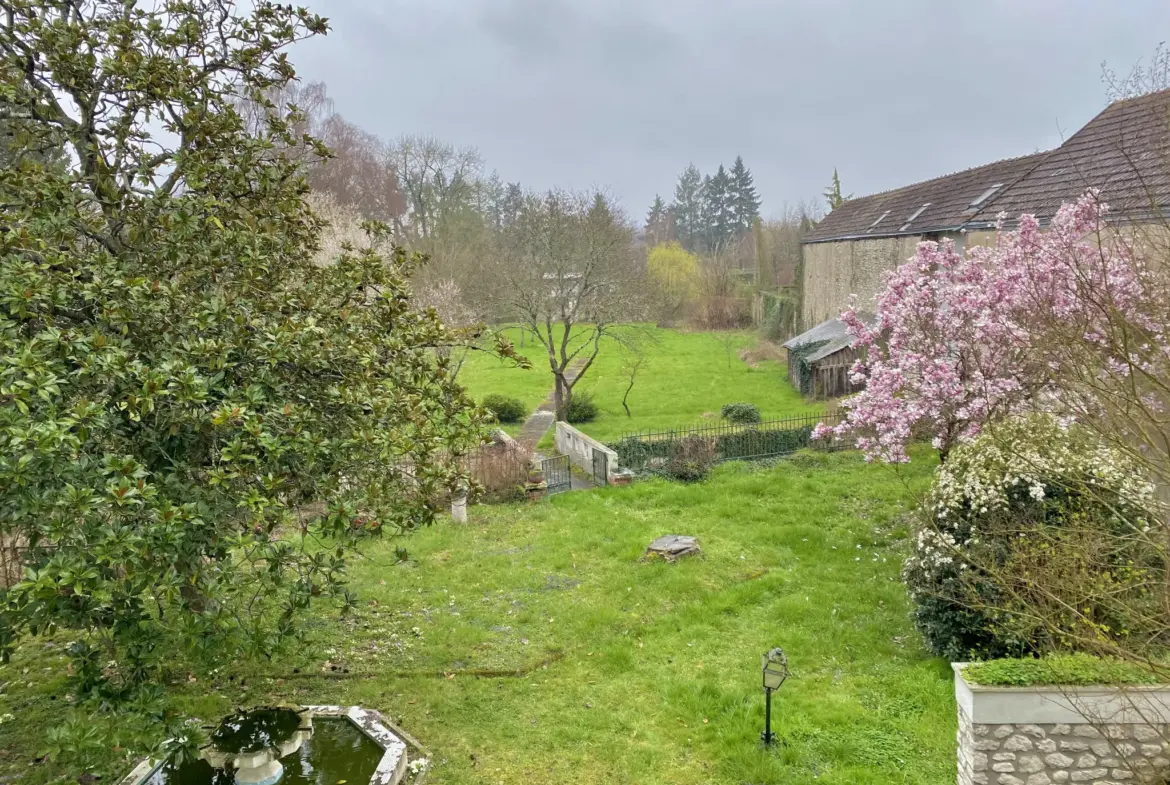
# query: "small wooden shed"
{"points": [[819, 359]]}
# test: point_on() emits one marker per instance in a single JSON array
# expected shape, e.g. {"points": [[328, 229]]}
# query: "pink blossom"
{"points": [[959, 339]]}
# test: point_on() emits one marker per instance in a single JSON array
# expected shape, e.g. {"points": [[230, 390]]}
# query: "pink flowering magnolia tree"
{"points": [[1097, 303], [942, 356], [1069, 320]]}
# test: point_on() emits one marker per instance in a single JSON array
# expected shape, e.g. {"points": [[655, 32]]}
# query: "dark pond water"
{"points": [[337, 751], [255, 730]]}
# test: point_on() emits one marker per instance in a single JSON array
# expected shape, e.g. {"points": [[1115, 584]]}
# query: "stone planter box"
{"points": [[1043, 735]]}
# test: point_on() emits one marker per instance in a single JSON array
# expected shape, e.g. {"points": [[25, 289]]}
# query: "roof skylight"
{"points": [[879, 220], [910, 220], [983, 197]]}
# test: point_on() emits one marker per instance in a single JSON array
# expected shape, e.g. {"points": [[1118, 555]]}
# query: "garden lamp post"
{"points": [[775, 670]]}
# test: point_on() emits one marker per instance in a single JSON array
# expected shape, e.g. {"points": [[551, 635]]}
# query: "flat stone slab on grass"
{"points": [[673, 546]]}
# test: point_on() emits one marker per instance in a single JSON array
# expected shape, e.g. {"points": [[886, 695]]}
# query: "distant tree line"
{"points": [[553, 261], [709, 212], [442, 200]]}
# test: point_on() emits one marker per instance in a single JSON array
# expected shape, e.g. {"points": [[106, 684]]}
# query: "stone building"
{"points": [[1123, 151]]}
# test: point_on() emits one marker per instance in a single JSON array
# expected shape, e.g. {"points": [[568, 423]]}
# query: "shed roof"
{"points": [[1124, 151], [833, 335]]}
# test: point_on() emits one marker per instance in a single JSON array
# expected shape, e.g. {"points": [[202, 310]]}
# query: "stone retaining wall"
{"points": [[1015, 736], [580, 448], [1043, 754]]}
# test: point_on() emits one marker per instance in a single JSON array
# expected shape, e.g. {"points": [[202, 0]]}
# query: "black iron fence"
{"points": [[600, 468], [558, 474], [649, 451]]}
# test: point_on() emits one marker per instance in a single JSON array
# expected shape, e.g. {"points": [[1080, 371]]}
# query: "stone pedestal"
{"points": [[266, 774], [261, 767], [459, 509]]}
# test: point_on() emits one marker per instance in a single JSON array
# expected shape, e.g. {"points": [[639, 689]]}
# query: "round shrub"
{"points": [[741, 413], [690, 459], [582, 408], [506, 410], [1034, 538]]}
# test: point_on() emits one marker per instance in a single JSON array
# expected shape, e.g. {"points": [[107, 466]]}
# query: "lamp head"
{"points": [[775, 669]]}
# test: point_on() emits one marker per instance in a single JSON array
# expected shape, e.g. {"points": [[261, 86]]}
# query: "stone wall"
{"points": [[1046, 735], [580, 448], [835, 270], [1029, 754]]}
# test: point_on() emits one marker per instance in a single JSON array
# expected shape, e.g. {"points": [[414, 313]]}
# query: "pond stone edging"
{"points": [[393, 764], [391, 768]]}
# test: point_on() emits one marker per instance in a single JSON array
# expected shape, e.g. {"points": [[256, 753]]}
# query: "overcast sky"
{"points": [[622, 94]]}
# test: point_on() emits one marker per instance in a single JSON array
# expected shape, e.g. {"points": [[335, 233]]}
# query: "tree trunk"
{"points": [[567, 400], [626, 395], [560, 404]]}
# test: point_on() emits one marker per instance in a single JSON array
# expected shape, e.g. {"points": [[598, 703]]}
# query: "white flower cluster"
{"points": [[1035, 454]]}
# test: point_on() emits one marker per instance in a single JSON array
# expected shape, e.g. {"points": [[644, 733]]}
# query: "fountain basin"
{"points": [[331, 743]]}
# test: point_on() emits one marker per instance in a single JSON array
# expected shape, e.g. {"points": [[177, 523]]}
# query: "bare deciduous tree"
{"points": [[353, 166], [566, 271], [783, 233], [1141, 79], [437, 179], [638, 345]]}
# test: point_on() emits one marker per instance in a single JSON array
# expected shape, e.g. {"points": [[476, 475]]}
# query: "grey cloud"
{"points": [[536, 31], [624, 94]]}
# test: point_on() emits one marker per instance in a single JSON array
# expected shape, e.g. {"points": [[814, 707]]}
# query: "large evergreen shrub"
{"points": [[1032, 537], [200, 420]]}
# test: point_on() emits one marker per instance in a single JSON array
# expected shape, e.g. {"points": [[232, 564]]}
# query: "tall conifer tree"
{"points": [[745, 203], [688, 208], [718, 210], [658, 222]]}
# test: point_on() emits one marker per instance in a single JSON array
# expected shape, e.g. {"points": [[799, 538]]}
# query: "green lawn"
{"points": [[535, 645], [687, 378]]}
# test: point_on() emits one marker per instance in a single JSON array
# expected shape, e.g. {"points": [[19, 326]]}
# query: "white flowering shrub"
{"points": [[1030, 519]]}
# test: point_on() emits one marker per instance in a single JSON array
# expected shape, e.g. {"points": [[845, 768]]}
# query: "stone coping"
{"points": [[1145, 704], [390, 769]]}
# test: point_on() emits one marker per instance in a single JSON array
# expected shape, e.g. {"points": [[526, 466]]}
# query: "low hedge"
{"points": [[756, 442], [638, 452]]}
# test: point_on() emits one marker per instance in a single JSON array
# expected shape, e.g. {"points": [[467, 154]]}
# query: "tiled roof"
{"points": [[947, 201], [1124, 151]]}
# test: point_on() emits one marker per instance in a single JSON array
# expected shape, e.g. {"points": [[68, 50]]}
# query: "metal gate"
{"points": [[600, 468], [558, 476]]}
